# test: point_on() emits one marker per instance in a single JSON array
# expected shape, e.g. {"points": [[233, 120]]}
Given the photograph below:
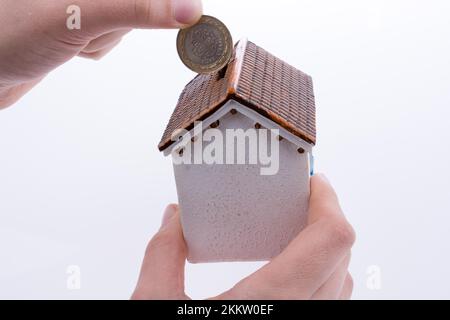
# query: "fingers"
{"points": [[162, 272], [9, 96], [101, 46], [347, 289], [332, 288], [323, 202], [97, 55], [310, 259], [107, 15], [105, 41]]}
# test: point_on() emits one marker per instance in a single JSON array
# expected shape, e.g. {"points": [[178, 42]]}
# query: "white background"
{"points": [[82, 182]]}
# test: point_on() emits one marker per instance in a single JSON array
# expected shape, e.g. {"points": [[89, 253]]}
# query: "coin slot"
{"points": [[222, 72]]}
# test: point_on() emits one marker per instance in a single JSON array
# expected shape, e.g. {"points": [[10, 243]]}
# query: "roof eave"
{"points": [[270, 115]]}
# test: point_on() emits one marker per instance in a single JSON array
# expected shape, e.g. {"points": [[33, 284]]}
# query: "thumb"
{"points": [[106, 15], [324, 202], [162, 272]]}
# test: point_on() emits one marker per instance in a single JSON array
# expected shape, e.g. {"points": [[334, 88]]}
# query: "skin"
{"points": [[34, 40], [313, 266]]}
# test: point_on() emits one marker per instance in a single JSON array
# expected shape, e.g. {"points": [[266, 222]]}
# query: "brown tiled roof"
{"points": [[259, 81]]}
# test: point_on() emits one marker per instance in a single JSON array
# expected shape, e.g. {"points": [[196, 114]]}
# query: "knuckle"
{"points": [[151, 13], [341, 233], [160, 241], [142, 9]]}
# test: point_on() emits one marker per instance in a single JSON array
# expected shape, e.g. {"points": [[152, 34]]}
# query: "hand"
{"points": [[313, 266], [35, 39]]}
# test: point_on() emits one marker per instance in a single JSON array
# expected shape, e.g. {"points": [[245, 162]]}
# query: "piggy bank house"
{"points": [[241, 143]]}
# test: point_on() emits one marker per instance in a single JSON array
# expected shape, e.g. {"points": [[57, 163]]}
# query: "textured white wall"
{"points": [[235, 212], [82, 183]]}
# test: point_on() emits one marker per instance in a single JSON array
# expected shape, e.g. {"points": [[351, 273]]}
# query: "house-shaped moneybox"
{"points": [[241, 142]]}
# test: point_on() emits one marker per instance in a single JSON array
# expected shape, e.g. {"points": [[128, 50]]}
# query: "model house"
{"points": [[241, 142]]}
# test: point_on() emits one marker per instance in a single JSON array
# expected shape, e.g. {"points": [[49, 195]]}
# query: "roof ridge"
{"points": [[241, 47]]}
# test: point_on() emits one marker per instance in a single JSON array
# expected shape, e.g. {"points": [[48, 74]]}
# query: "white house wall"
{"points": [[232, 212]]}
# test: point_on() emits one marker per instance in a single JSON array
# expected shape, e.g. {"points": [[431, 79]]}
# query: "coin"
{"points": [[205, 47]]}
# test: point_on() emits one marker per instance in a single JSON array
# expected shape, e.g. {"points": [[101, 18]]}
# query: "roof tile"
{"points": [[258, 80]]}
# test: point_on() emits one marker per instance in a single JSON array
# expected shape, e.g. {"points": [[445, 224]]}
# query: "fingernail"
{"points": [[187, 12], [168, 214]]}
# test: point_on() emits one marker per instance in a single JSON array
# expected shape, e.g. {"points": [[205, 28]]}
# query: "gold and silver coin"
{"points": [[205, 47]]}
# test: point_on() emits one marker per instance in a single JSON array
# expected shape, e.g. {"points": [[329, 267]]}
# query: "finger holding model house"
{"points": [[313, 266]]}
